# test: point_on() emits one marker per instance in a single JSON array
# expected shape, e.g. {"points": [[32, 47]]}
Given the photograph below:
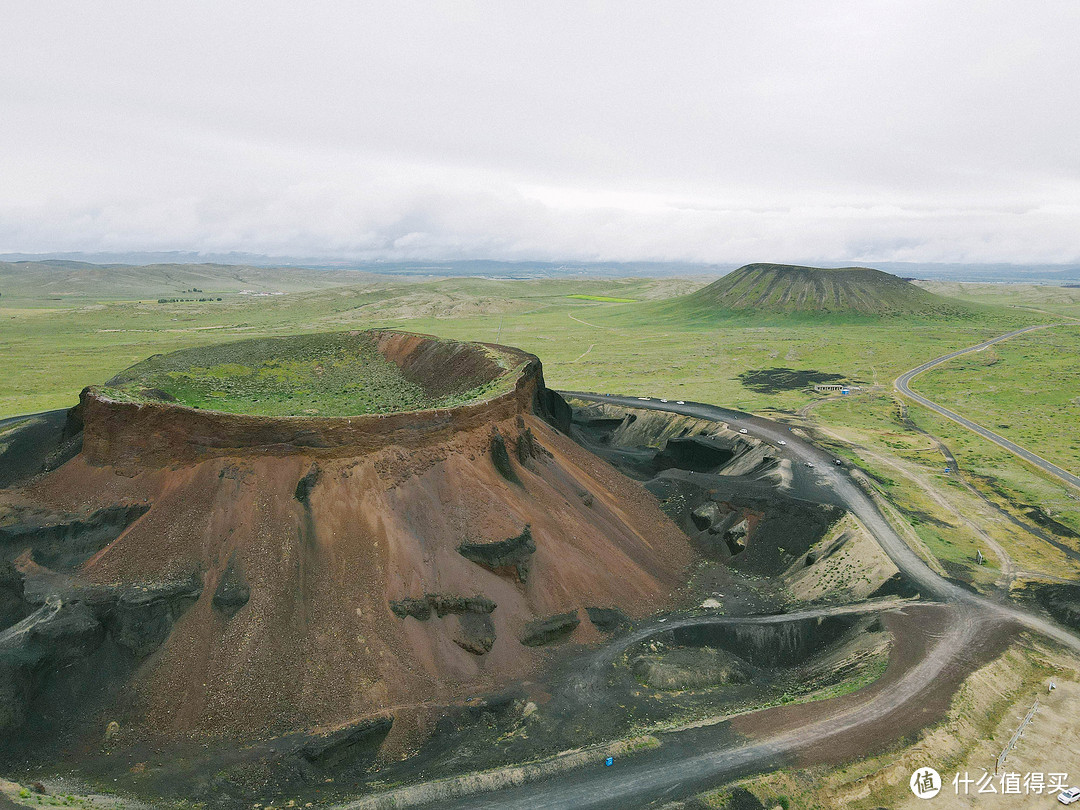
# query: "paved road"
{"points": [[902, 384], [833, 483], [839, 482]]}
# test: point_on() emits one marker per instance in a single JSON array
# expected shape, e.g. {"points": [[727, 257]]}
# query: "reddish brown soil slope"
{"points": [[317, 644]]}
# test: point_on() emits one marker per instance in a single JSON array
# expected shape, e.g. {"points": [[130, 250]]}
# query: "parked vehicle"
{"points": [[1069, 796], [743, 430]]}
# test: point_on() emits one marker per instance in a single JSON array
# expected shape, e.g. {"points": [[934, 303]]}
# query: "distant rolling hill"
{"points": [[796, 290], [69, 280]]}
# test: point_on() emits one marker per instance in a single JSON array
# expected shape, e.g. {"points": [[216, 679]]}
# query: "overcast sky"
{"points": [[713, 131]]}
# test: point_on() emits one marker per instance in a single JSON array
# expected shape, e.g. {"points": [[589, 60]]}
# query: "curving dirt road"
{"points": [[650, 779], [675, 771]]}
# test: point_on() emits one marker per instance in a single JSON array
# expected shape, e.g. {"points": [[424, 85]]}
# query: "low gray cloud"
{"points": [[716, 132]]}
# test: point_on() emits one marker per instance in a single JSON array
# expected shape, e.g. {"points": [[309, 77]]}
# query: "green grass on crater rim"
{"points": [[335, 374]]}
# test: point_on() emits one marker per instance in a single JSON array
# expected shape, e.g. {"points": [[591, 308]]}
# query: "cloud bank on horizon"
{"points": [[917, 131]]}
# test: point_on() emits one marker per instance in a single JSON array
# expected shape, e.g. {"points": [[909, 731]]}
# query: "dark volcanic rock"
{"points": [[307, 483], [417, 608], [475, 632], [12, 606], [445, 604], [33, 652], [64, 541], [232, 591], [514, 552], [527, 446], [1062, 602], [39, 444], [348, 743], [70, 633], [555, 410], [501, 458], [144, 616], [442, 604], [549, 630], [696, 453], [608, 620]]}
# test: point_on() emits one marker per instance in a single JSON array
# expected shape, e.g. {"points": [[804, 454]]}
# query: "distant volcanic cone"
{"points": [[797, 290], [296, 533]]}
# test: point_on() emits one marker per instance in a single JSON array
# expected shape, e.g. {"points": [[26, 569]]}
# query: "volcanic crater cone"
{"points": [[794, 289], [303, 533]]}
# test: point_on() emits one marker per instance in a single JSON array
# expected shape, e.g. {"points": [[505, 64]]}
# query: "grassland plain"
{"points": [[1033, 297], [950, 520], [652, 346], [1026, 388], [73, 282]]}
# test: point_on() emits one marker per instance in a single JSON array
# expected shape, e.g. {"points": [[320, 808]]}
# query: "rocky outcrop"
{"points": [[233, 591], [143, 616], [608, 620], [501, 459], [550, 629], [64, 541], [306, 484], [33, 651], [696, 453], [441, 604], [12, 606], [554, 409], [474, 632], [39, 444], [115, 628], [512, 554], [471, 627], [348, 743]]}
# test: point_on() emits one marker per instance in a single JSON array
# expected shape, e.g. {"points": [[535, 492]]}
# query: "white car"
{"points": [[644, 399], [663, 400], [679, 402], [809, 464], [1069, 796], [782, 443]]}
